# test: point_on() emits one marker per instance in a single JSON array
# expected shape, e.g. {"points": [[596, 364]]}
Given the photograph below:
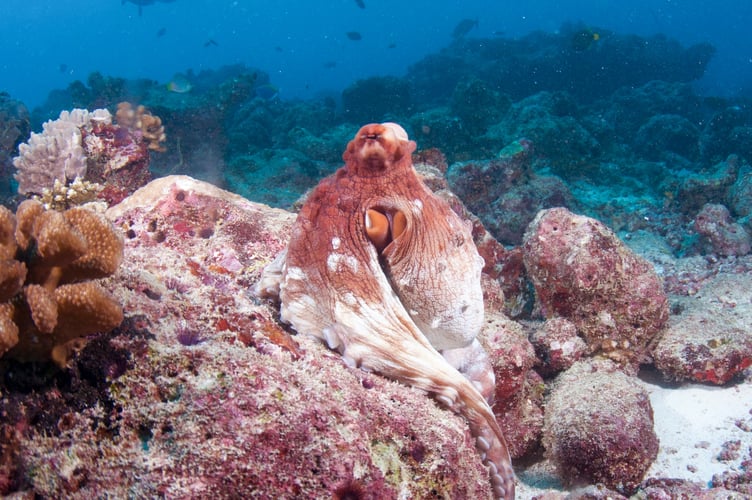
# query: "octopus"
{"points": [[385, 272]]}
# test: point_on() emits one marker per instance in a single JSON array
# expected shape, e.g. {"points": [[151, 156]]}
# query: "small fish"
{"points": [[161, 32], [63, 68], [278, 49], [584, 39], [179, 84], [330, 64], [267, 91], [391, 45], [354, 35], [463, 28], [210, 42], [360, 3]]}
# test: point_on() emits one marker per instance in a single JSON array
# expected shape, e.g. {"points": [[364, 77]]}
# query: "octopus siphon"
{"points": [[384, 272]]}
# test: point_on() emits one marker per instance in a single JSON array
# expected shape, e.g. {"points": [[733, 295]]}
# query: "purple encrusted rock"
{"points": [[599, 426]]}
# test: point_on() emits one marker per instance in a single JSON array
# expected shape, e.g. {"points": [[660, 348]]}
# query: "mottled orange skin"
{"points": [[390, 310]]}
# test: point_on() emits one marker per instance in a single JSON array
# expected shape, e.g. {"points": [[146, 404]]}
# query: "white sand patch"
{"points": [[693, 422]]}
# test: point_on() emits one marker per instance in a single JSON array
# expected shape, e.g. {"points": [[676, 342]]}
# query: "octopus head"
{"points": [[376, 147]]}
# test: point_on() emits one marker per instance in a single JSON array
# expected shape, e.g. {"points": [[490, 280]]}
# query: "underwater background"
{"points": [[303, 45], [628, 123]]}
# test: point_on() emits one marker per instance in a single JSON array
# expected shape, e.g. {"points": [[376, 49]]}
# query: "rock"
{"points": [[519, 389], [599, 426], [725, 236], [664, 488], [740, 196], [557, 345], [668, 133], [698, 189], [708, 339], [583, 272], [505, 193]]}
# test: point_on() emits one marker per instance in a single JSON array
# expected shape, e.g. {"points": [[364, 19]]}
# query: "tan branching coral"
{"points": [[47, 299], [141, 119], [63, 196]]}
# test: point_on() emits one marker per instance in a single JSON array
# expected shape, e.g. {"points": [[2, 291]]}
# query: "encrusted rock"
{"points": [[519, 389], [583, 272], [726, 237], [557, 345], [709, 338], [219, 400], [599, 426]]}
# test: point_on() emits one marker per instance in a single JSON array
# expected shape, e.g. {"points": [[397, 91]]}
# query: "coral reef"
{"points": [[477, 105], [599, 426], [522, 66], [376, 99], [197, 363], [48, 299], [549, 120], [505, 193], [663, 134], [583, 272]]}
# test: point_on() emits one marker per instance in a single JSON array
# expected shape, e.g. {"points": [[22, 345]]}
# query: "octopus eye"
{"points": [[383, 228], [377, 229]]}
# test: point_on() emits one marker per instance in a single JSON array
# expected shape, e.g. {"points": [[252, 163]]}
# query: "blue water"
{"points": [[303, 45]]}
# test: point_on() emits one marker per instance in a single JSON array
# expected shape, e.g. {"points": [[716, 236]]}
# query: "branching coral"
{"points": [[55, 154], [139, 118], [48, 259]]}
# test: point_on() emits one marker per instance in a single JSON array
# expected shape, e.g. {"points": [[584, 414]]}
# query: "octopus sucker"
{"points": [[371, 243]]}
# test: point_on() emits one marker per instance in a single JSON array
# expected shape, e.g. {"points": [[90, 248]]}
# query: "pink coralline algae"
{"points": [[599, 426], [583, 272], [725, 236]]}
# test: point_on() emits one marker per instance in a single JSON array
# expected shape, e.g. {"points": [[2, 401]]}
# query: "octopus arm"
{"points": [[378, 335]]}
